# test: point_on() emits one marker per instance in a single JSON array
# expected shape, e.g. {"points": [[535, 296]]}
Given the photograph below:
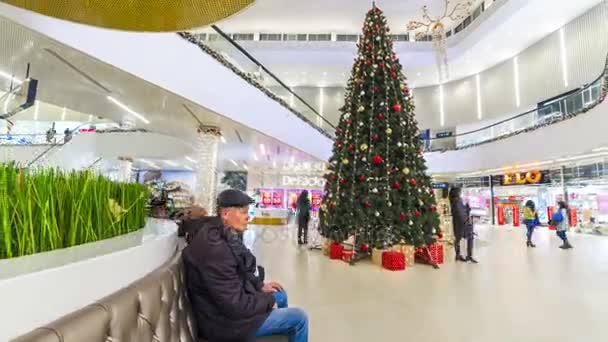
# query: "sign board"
{"points": [[303, 181], [524, 178]]}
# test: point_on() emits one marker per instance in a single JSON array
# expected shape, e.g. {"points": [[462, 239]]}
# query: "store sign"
{"points": [[440, 185], [303, 181], [522, 178]]}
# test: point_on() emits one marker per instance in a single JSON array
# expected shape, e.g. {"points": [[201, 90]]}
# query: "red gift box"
{"points": [[436, 251], [394, 261], [347, 256], [335, 251]]}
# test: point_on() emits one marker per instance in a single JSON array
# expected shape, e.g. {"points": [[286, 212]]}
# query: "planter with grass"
{"points": [[49, 217]]}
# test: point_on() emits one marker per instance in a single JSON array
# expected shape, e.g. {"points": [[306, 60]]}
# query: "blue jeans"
{"points": [[530, 226], [291, 322], [562, 235]]}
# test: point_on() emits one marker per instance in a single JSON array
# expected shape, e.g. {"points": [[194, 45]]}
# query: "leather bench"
{"points": [[153, 309]]}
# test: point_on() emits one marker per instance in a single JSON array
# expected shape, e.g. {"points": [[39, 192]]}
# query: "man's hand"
{"points": [[271, 287]]}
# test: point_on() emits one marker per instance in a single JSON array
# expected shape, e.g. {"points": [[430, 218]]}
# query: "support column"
{"points": [[492, 202], [206, 171], [125, 169]]}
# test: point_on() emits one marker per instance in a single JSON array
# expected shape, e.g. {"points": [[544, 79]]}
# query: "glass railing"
{"points": [[551, 111], [232, 55]]}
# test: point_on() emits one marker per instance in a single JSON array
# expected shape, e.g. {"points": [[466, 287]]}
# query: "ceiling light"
{"points": [[245, 167], [419, 74], [222, 139], [233, 162], [63, 114], [263, 149], [10, 77], [293, 159], [90, 118], [170, 163], [600, 149], [255, 157], [134, 113], [190, 159], [274, 164], [188, 168]]}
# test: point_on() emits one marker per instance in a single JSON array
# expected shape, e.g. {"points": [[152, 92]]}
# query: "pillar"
{"points": [[206, 174], [125, 168]]}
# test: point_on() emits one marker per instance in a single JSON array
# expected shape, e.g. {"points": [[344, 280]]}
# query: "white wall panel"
{"points": [[460, 101]]}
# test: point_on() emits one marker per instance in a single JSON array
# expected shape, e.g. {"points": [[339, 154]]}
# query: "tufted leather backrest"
{"points": [[153, 309]]}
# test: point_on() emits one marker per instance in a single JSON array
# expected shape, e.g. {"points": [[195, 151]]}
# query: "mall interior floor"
{"points": [[514, 294]]}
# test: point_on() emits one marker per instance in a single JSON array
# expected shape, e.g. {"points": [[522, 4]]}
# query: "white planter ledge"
{"points": [[38, 289]]}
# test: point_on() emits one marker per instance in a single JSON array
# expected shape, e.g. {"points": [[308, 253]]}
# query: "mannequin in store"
{"points": [[531, 221], [463, 227], [303, 207]]}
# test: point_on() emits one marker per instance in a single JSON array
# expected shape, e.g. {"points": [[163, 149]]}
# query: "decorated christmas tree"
{"points": [[377, 188]]}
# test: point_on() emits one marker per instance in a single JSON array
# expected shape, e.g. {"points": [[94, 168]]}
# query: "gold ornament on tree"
{"points": [[436, 27]]}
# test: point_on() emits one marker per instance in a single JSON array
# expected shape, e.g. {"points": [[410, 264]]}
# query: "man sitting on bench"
{"points": [[229, 300]]}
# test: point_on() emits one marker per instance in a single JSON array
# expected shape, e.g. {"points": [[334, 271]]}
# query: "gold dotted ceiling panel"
{"points": [[137, 15]]}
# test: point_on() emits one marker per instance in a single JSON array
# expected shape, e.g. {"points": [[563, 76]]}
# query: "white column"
{"points": [[206, 174], [125, 168]]}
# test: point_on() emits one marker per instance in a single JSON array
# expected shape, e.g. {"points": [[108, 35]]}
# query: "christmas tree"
{"points": [[377, 187]]}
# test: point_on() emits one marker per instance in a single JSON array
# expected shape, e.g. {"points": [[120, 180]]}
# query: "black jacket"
{"points": [[227, 297], [463, 228]]}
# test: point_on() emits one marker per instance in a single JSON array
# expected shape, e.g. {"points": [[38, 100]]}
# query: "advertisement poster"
{"points": [[602, 204], [315, 201]]}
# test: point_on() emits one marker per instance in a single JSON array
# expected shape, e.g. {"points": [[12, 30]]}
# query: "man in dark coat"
{"points": [[463, 227], [230, 300]]}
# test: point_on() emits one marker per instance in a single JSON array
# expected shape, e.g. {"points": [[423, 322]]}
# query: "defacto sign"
{"points": [[303, 181], [523, 178]]}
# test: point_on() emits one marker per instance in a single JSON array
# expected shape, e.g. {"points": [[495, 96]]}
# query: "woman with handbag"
{"points": [[560, 221]]}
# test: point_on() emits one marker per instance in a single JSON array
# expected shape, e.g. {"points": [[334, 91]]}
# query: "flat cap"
{"points": [[233, 198]]}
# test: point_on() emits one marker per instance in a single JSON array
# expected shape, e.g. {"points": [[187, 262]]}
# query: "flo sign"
{"points": [[303, 181], [523, 178]]}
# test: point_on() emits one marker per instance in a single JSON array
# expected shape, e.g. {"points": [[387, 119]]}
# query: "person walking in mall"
{"points": [[230, 300], [560, 221], [463, 227], [303, 207], [531, 221]]}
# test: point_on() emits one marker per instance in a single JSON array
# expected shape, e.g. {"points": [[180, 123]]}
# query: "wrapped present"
{"points": [[347, 256], [335, 251], [409, 251], [393, 260], [437, 254], [325, 246], [377, 256]]}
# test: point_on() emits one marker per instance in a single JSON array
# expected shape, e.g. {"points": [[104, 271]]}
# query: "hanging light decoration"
{"points": [[436, 28], [137, 15]]}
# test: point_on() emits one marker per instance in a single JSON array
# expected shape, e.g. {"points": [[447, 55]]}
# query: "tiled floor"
{"points": [[515, 294]]}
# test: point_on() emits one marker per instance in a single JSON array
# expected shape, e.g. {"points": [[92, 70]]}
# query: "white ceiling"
{"points": [[322, 16], [72, 80], [506, 29]]}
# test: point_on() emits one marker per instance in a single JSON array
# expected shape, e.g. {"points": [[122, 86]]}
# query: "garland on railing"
{"points": [[217, 56]]}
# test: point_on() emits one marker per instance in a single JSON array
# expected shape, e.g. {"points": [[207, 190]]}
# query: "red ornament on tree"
{"points": [[406, 90], [433, 209], [367, 205], [396, 185], [440, 236], [342, 181], [381, 65], [364, 248], [380, 116], [351, 148], [375, 90], [350, 122], [377, 160], [413, 182], [394, 68], [402, 216], [397, 108], [393, 75], [376, 137], [417, 212], [362, 179]]}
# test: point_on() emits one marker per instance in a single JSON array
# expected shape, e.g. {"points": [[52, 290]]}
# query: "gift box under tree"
{"points": [[393, 260], [335, 251]]}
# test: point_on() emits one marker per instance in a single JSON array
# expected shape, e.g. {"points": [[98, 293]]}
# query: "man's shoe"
{"points": [[472, 260], [461, 258]]}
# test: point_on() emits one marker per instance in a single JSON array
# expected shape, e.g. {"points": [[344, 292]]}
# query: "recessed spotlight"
{"points": [[263, 149], [255, 157], [419, 74], [245, 167], [190, 159], [222, 139], [233, 162], [170, 163]]}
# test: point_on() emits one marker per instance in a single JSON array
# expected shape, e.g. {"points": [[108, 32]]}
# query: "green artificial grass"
{"points": [[45, 210]]}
